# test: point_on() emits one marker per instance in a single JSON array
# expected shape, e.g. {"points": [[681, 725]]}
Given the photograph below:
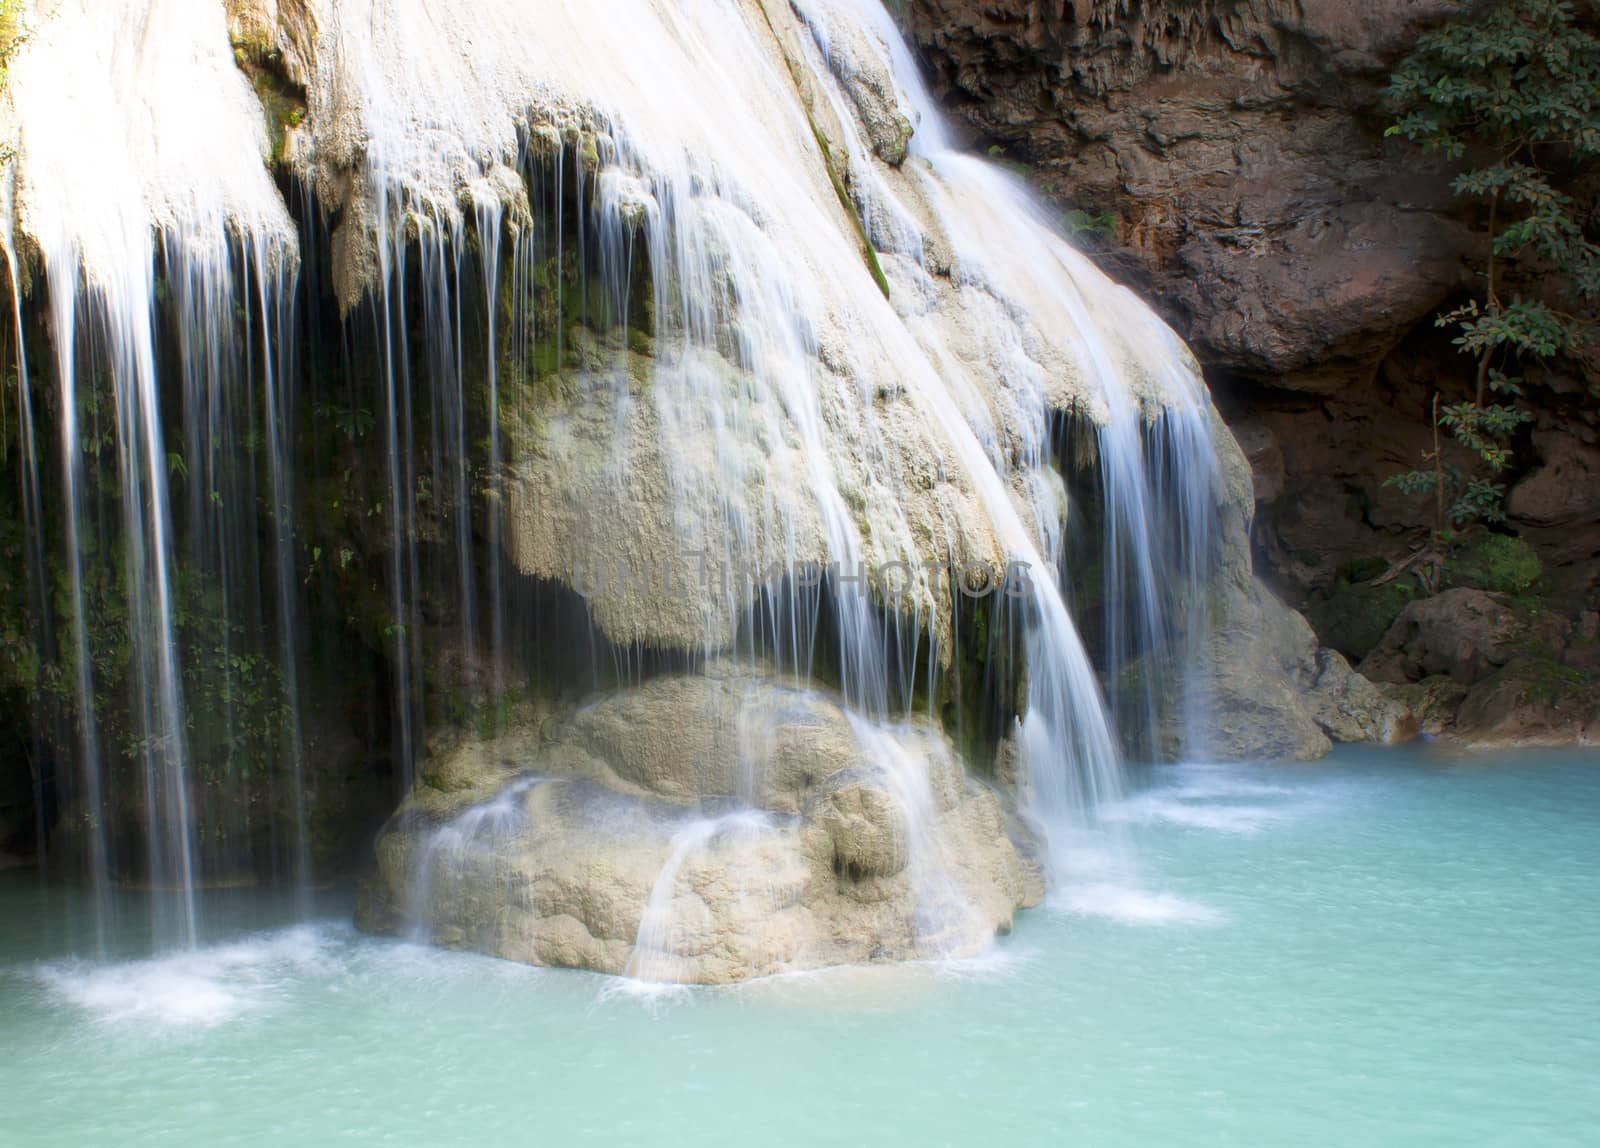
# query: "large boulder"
{"points": [[1564, 490], [1275, 692], [1557, 506], [1531, 701], [702, 828], [1485, 670], [1463, 634]]}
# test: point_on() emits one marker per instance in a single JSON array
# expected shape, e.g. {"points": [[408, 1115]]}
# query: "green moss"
{"points": [[1102, 225], [283, 102], [1551, 681], [1364, 569], [868, 255], [1497, 563]]}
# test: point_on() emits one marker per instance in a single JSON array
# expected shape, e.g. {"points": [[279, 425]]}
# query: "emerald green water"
{"points": [[1380, 949]]}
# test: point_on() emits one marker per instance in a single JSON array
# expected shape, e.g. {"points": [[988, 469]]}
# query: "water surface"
{"points": [[1385, 948]]}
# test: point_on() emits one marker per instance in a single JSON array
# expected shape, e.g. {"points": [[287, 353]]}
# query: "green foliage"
{"points": [[19, 654], [1513, 89], [236, 706], [1463, 497], [235, 702], [1075, 221], [997, 152], [1494, 562], [1519, 326], [1514, 72], [354, 423]]}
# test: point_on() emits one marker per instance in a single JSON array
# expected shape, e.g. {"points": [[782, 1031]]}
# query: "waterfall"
{"points": [[474, 836], [1006, 253], [127, 172], [512, 346]]}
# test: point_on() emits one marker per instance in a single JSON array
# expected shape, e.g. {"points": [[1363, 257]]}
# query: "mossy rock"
{"points": [[1355, 616]]}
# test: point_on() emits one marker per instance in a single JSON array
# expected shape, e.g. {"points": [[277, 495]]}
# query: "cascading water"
{"points": [[477, 835], [1005, 255], [128, 174], [743, 333]]}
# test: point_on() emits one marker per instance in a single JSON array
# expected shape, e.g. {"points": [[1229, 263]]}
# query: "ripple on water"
{"points": [[1130, 905], [1219, 798]]}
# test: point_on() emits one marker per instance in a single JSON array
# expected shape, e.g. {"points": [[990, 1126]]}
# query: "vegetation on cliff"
{"points": [[1513, 91]]}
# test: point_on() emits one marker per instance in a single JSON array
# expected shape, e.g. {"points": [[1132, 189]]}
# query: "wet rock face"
{"points": [[701, 829], [1531, 701], [1274, 693], [1235, 138], [1239, 145]]}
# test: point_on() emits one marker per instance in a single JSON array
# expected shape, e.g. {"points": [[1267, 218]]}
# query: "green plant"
{"points": [[1512, 89], [354, 423]]}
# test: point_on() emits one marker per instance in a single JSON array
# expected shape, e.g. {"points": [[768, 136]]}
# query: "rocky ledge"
{"points": [[1488, 670]]}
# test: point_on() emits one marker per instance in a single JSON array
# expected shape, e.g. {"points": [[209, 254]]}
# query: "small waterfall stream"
{"points": [[477, 835], [657, 952]]}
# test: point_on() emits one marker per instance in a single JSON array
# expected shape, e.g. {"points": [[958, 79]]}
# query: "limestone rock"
{"points": [[1434, 702], [1265, 455], [1239, 145], [1277, 694], [1564, 490], [703, 828], [1482, 670], [1279, 231], [1557, 506], [1351, 708]]}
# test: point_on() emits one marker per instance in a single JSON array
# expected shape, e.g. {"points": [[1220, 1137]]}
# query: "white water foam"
{"points": [[1129, 905], [1175, 809], [1223, 799], [199, 988]]}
